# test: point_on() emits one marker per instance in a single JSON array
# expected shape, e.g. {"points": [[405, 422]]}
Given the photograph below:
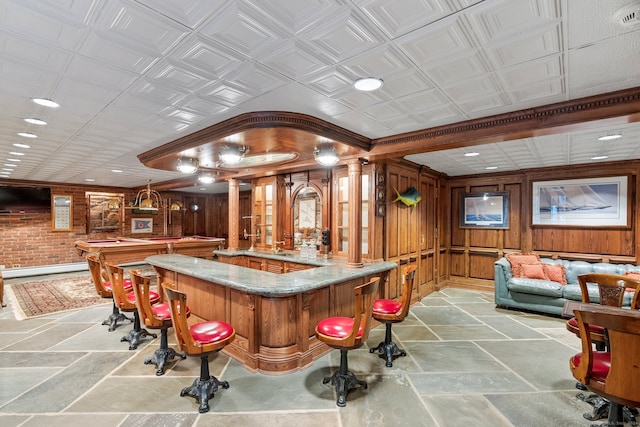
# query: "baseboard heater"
{"points": [[44, 269], [40, 270]]}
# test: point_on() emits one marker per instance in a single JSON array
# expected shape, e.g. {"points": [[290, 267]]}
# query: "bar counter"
{"points": [[274, 315]]}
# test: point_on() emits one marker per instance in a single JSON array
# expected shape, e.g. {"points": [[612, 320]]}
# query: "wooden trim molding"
{"points": [[615, 107]]}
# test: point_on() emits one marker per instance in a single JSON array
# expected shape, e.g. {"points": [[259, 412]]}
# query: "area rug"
{"points": [[38, 298]]}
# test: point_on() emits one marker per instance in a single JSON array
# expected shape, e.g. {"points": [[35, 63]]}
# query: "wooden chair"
{"points": [[154, 316], [200, 339], [126, 301], [348, 333], [2, 291], [103, 288], [611, 290], [390, 311], [615, 374]]}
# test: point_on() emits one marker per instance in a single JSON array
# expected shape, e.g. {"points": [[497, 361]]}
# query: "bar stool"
{"points": [[391, 311], [103, 288], [154, 316], [200, 339], [126, 301], [348, 333]]}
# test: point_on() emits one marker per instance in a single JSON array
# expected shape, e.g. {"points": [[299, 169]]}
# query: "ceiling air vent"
{"points": [[628, 15]]}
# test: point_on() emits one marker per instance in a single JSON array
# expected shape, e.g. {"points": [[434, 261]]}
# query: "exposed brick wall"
{"points": [[27, 240]]}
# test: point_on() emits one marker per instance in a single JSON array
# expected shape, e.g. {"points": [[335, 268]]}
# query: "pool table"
{"points": [[126, 249]]}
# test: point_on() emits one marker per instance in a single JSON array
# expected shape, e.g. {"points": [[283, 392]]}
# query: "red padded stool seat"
{"points": [[389, 311], [155, 316], [104, 289], [199, 339], [347, 333], [126, 301]]}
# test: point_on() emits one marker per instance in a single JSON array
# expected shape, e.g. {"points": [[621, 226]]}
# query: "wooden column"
{"points": [[234, 215], [354, 253]]}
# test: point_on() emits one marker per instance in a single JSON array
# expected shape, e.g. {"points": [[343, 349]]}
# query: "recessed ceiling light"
{"points": [[89, 179], [368, 84], [610, 137], [599, 157], [19, 145], [471, 154], [35, 121], [28, 134], [16, 153], [491, 167], [45, 102], [116, 170]]}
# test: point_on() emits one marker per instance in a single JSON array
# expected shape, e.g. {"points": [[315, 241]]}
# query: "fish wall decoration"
{"points": [[411, 197]]}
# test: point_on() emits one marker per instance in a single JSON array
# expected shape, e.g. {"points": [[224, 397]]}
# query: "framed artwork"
{"points": [[590, 202], [61, 212], [141, 225], [381, 209], [484, 210], [381, 194]]}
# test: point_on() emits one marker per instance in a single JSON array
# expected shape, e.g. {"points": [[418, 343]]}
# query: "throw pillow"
{"points": [[556, 272], [533, 271], [518, 258], [633, 274]]}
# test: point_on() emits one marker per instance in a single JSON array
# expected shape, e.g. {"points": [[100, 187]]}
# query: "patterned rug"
{"points": [[39, 298]]}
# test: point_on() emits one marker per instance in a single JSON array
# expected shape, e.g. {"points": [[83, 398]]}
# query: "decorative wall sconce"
{"points": [[188, 165], [114, 203], [326, 155], [176, 206], [231, 155]]}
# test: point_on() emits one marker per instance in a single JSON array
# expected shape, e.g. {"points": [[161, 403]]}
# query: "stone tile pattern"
{"points": [[468, 364]]}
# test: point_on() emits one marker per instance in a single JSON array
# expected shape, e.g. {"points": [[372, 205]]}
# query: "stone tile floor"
{"points": [[468, 364]]}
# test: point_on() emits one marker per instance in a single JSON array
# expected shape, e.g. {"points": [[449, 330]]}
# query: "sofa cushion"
{"points": [[532, 271], [535, 287], [556, 273], [516, 259], [573, 292]]}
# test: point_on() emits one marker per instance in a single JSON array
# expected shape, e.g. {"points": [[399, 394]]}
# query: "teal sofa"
{"points": [[546, 296]]}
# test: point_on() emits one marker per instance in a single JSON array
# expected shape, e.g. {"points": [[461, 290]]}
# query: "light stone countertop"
{"points": [[327, 272]]}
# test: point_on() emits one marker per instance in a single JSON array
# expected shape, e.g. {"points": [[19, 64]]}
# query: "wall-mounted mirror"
{"points": [[307, 217]]}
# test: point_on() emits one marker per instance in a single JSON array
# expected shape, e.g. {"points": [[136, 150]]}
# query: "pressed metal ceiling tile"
{"points": [[190, 13], [131, 24], [396, 18]]}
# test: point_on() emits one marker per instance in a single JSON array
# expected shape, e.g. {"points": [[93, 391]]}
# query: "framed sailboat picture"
{"points": [[590, 202], [484, 210]]}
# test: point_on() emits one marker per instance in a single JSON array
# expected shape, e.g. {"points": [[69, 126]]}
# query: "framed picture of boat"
{"points": [[589, 202], [484, 210]]}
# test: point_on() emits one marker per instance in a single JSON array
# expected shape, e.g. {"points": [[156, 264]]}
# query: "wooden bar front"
{"points": [[274, 333]]}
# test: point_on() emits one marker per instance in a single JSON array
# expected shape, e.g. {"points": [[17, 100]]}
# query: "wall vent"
{"points": [[628, 15]]}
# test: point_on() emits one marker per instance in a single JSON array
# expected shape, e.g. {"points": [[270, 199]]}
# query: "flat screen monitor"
{"points": [[24, 199]]}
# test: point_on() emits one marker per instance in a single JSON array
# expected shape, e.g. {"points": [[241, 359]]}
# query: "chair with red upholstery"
{"points": [[200, 339], [348, 333], [390, 311], [103, 288], [126, 301], [154, 316], [613, 375], [612, 289]]}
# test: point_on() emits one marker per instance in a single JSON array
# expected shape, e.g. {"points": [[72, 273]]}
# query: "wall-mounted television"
{"points": [[24, 199]]}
